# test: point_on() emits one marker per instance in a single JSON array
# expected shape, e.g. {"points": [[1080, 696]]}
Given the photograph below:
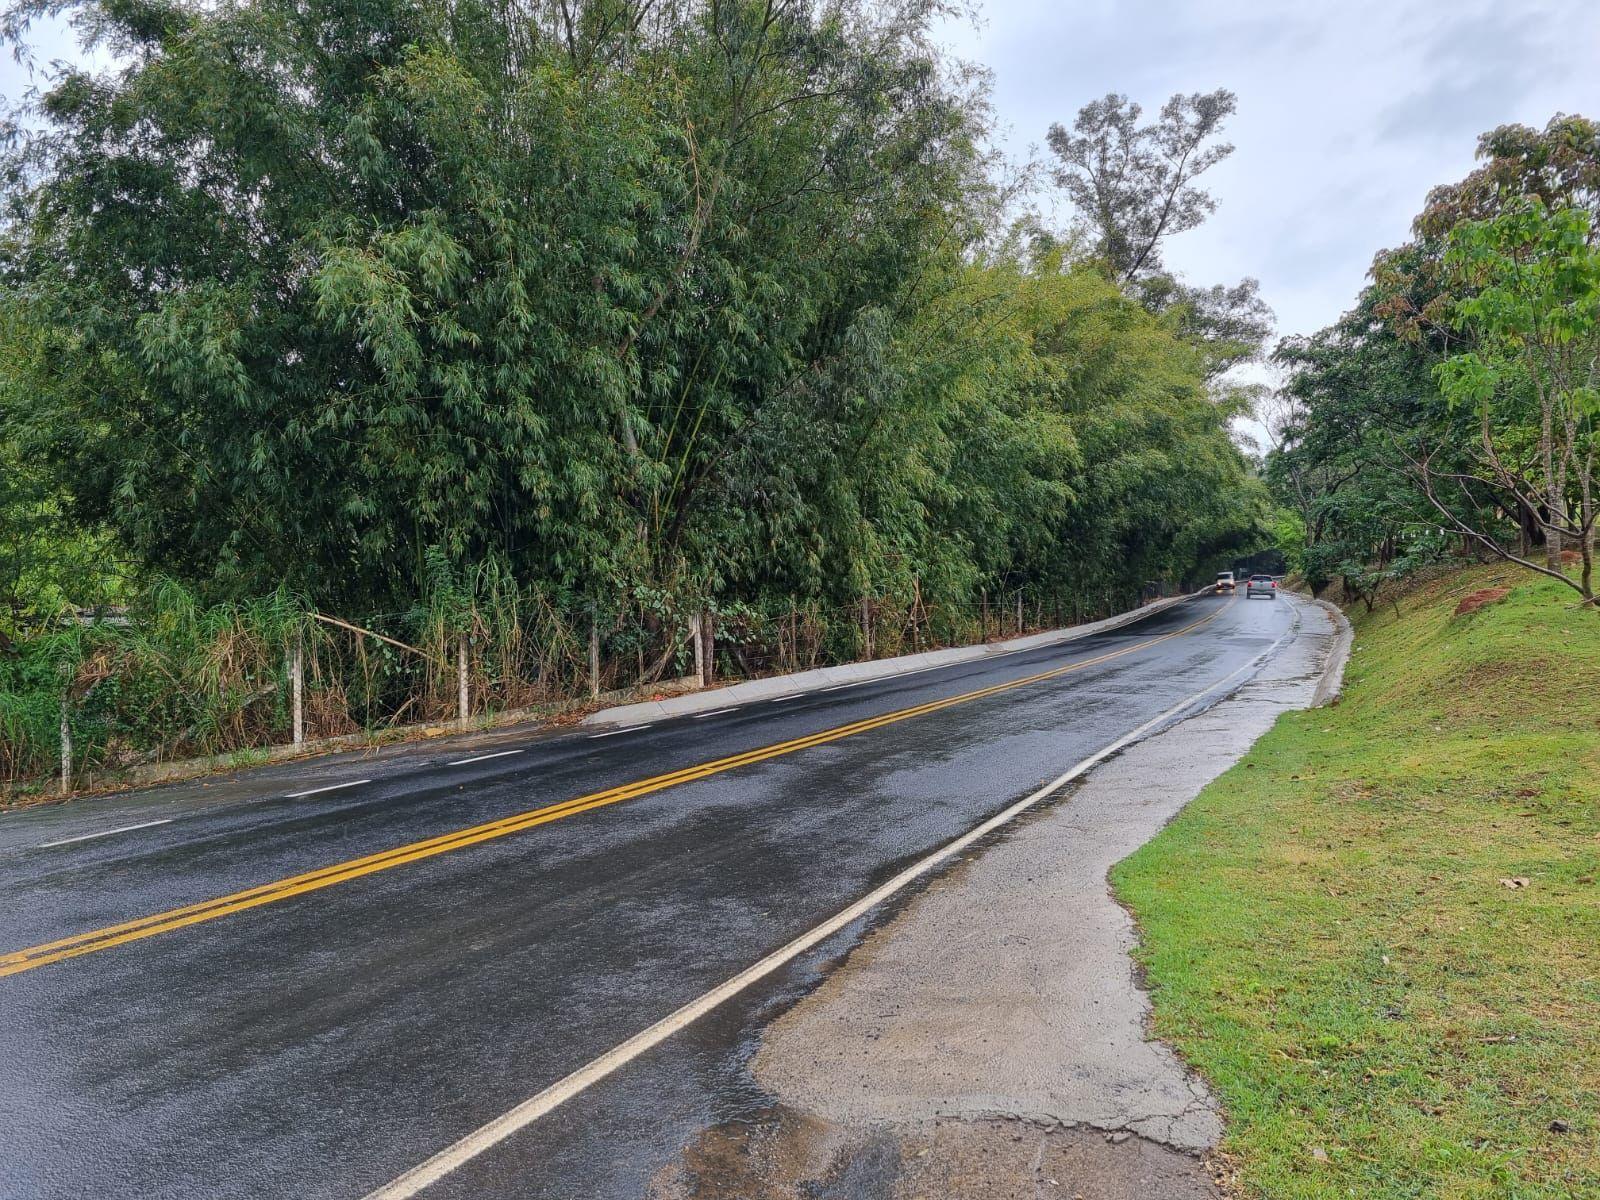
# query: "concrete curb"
{"points": [[778, 686], [1332, 681]]}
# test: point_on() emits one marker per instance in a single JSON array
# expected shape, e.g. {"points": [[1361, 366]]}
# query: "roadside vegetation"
{"points": [[562, 320], [1456, 407], [1378, 935]]}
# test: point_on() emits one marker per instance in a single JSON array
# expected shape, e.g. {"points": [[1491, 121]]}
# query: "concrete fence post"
{"points": [[699, 650], [463, 707], [66, 743], [594, 656], [297, 691]]}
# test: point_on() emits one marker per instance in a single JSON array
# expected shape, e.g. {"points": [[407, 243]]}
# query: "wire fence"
{"points": [[88, 694]]}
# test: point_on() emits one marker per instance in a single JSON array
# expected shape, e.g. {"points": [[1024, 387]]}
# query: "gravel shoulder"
{"points": [[991, 1039]]}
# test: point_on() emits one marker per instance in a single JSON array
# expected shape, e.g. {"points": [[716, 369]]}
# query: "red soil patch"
{"points": [[1477, 600]]}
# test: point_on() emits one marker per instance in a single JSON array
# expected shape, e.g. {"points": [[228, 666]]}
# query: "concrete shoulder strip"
{"points": [[815, 680], [1332, 681]]}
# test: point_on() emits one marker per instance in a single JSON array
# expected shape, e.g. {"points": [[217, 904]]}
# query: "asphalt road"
{"points": [[319, 1037]]}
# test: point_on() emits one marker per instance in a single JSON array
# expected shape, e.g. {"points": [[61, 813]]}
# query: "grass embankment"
{"points": [[1331, 938]]}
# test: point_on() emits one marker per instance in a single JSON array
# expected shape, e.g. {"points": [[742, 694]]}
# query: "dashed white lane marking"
{"points": [[85, 837], [461, 762], [614, 732], [429, 1172], [717, 712], [332, 787]]}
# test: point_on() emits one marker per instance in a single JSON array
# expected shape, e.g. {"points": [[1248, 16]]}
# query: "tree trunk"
{"points": [[1588, 518], [708, 624], [1555, 505]]}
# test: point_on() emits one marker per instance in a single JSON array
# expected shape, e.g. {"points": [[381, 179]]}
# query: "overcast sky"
{"points": [[1349, 111]]}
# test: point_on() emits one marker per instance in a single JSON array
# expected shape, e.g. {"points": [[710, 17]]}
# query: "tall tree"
{"points": [[697, 302], [330, 285], [1531, 374], [1458, 396], [1134, 185]]}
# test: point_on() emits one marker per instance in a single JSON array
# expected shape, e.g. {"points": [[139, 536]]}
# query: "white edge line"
{"points": [[627, 729], [103, 833], [461, 762], [716, 712], [430, 1171], [332, 787]]}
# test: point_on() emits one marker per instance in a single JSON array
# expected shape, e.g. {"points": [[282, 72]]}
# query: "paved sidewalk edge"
{"points": [[775, 686]]}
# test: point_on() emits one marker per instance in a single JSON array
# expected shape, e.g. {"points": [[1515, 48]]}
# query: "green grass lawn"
{"points": [[1328, 938]]}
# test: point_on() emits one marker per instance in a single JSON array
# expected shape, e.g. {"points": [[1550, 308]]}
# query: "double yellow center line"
{"points": [[17, 961]]}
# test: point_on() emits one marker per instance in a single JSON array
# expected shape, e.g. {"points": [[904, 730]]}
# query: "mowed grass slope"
{"points": [[1328, 938]]}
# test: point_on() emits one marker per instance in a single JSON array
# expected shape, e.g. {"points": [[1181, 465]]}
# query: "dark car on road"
{"points": [[1261, 585]]}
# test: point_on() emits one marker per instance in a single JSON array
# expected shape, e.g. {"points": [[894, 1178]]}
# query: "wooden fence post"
{"points": [[1019, 612], [297, 690], [866, 625], [708, 635], [463, 707], [594, 656]]}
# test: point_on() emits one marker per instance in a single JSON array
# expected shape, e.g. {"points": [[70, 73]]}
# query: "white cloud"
{"points": [[1348, 112]]}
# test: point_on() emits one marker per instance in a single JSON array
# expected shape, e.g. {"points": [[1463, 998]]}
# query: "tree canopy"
{"points": [[1457, 403], [706, 297]]}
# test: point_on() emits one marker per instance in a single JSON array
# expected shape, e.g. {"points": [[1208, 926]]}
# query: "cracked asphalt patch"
{"points": [[793, 1156], [990, 1041]]}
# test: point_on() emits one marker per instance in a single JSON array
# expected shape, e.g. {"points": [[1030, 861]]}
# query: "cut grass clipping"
{"points": [[1378, 935]]}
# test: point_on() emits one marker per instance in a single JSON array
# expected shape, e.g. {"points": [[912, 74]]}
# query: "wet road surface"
{"points": [[339, 1031]]}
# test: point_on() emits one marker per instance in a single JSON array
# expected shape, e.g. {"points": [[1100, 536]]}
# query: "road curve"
{"points": [[308, 994]]}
